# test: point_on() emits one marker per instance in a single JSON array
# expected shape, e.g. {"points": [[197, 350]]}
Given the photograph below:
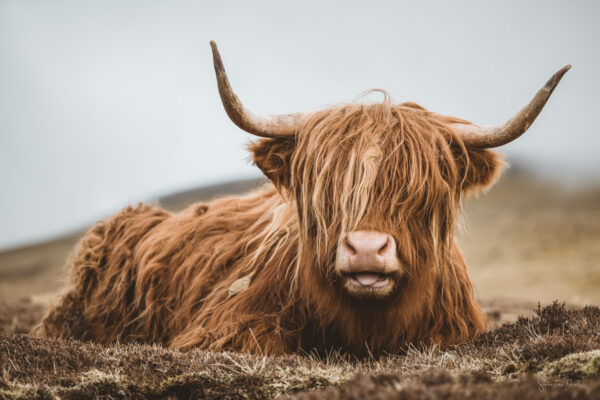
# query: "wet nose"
{"points": [[368, 250]]}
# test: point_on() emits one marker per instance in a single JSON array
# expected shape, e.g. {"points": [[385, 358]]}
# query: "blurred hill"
{"points": [[525, 241]]}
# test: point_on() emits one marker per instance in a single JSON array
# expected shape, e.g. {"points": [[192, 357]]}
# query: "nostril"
{"points": [[349, 247], [384, 248]]}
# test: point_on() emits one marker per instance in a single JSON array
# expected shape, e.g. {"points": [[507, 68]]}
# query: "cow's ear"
{"points": [[479, 168], [273, 157]]}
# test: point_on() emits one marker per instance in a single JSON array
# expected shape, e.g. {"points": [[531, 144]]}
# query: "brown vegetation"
{"points": [[520, 359]]}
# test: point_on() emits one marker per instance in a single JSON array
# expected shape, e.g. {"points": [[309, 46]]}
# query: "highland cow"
{"points": [[349, 247]]}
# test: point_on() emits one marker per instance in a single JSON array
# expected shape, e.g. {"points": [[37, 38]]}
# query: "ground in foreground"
{"points": [[553, 354]]}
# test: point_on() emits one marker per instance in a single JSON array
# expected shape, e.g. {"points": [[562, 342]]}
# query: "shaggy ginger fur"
{"points": [[152, 276]]}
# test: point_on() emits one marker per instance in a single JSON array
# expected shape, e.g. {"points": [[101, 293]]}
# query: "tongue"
{"points": [[367, 279]]}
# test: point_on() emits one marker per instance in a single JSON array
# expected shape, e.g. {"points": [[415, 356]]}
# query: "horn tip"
{"points": [[564, 69], [553, 81], [219, 68]]}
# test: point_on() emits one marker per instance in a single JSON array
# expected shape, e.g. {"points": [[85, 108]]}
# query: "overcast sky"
{"points": [[105, 103]]}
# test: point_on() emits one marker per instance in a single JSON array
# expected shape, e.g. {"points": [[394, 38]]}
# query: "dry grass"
{"points": [[535, 356]]}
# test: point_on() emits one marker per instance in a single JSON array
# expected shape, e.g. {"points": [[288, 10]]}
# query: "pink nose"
{"points": [[368, 250]]}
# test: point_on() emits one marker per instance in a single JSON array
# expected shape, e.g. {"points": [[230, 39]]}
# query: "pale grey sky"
{"points": [[105, 103]]}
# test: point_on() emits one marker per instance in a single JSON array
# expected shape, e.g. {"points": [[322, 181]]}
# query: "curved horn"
{"points": [[494, 136], [270, 126]]}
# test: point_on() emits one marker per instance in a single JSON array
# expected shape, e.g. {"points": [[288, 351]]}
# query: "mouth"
{"points": [[368, 280], [368, 283]]}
